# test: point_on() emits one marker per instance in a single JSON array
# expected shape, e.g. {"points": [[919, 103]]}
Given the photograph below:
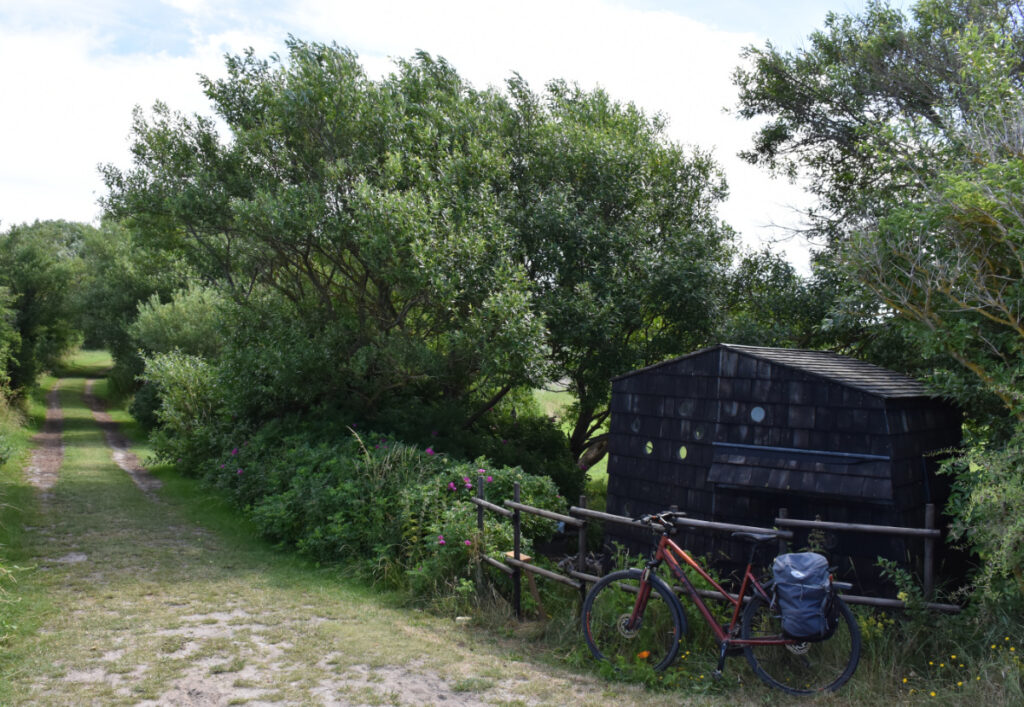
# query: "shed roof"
{"points": [[844, 370]]}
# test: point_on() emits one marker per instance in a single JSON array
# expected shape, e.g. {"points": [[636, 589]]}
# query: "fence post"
{"points": [[480, 534], [783, 513], [517, 598], [929, 552], [581, 551]]}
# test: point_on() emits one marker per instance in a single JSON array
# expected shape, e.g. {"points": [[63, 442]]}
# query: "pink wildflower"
{"points": [[440, 540], [430, 451], [489, 479], [451, 485], [239, 471], [467, 542], [234, 452]]}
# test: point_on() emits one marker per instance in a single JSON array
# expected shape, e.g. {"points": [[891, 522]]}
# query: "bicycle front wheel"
{"points": [[801, 668], [653, 639]]}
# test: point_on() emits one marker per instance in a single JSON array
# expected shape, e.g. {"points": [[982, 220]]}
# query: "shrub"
{"points": [[191, 322], [189, 431], [987, 503], [397, 513]]}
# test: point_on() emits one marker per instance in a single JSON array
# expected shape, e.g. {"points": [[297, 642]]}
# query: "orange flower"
{"points": [[643, 655]]}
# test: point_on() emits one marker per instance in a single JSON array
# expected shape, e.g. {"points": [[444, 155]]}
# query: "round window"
{"points": [[757, 414], [682, 451], [649, 447]]}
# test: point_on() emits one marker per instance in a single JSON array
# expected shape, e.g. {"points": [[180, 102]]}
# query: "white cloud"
{"points": [[69, 93]]}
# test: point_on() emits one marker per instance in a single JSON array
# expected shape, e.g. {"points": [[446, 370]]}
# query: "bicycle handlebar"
{"points": [[661, 522]]}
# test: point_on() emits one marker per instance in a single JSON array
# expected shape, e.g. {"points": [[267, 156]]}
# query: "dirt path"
{"points": [[119, 445], [138, 599], [43, 467]]}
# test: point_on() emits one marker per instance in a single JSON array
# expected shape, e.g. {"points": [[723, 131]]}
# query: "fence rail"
{"points": [[514, 564]]}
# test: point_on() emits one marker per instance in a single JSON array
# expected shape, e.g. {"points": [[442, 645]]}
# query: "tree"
{"points": [[616, 228], [883, 113], [117, 272], [10, 339], [952, 264], [365, 212], [924, 181], [767, 303], [414, 242], [37, 263], [869, 105]]}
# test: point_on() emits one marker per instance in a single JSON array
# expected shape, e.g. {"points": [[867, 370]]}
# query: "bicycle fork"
{"points": [[643, 594]]}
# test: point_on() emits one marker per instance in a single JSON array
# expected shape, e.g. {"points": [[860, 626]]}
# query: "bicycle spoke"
{"points": [[653, 640], [801, 668]]}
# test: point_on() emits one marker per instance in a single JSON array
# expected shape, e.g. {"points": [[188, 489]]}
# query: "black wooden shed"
{"points": [[734, 433]]}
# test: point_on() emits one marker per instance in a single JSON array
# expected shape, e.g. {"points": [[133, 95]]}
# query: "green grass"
{"points": [[86, 364]]}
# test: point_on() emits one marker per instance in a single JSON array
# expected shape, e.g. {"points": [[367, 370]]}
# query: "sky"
{"points": [[71, 73]]}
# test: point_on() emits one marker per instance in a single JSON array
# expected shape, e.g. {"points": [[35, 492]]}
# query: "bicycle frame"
{"points": [[671, 554]]}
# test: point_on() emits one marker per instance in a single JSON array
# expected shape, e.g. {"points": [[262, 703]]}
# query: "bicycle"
{"points": [[634, 616]]}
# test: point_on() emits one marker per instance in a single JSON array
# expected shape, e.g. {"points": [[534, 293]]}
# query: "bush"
{"points": [[190, 431], [191, 322], [397, 513], [987, 503]]}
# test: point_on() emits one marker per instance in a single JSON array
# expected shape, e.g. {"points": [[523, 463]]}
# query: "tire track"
{"points": [[43, 468], [119, 445]]}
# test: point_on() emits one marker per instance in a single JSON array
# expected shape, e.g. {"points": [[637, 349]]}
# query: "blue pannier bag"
{"points": [[805, 596]]}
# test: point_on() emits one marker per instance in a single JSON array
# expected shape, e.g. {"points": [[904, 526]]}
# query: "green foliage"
{"points": [[37, 262], [370, 209], [397, 513], [415, 243], [191, 322], [859, 93], [190, 430], [907, 126], [988, 507], [119, 272], [10, 337], [768, 304], [616, 228]]}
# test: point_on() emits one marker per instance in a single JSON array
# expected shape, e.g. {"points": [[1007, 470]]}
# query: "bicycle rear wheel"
{"points": [[801, 668], [654, 640]]}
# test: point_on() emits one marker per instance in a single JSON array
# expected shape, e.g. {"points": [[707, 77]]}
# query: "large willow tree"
{"points": [[413, 237]]}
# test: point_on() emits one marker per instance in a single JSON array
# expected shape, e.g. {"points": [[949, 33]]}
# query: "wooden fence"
{"points": [[514, 563]]}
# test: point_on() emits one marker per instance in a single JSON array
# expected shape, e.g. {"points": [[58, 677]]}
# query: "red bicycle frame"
{"points": [[671, 554]]}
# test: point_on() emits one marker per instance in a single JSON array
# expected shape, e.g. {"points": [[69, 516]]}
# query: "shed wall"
{"points": [[672, 422]]}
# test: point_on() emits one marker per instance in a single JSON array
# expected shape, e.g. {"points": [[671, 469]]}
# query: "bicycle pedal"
{"points": [[716, 675]]}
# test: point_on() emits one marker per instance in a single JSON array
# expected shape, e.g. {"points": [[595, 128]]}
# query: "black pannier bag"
{"points": [[805, 596]]}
